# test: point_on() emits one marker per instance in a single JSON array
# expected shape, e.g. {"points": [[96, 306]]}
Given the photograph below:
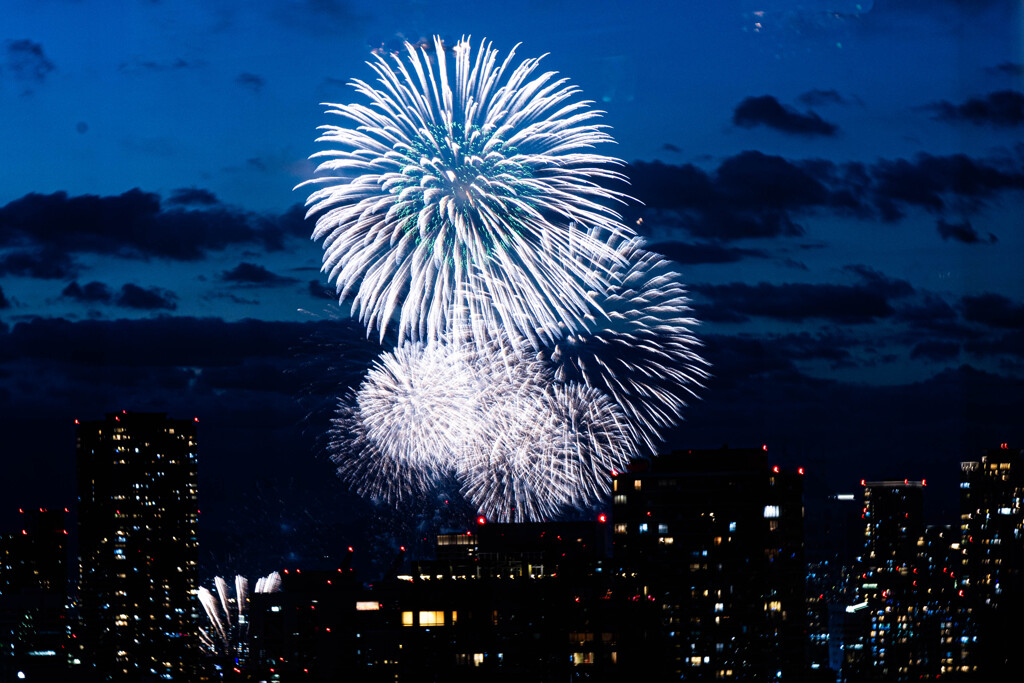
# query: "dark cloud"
{"points": [[91, 292], [318, 291], [755, 195], [4, 303], [135, 225], [1006, 69], [27, 63], [816, 97], [669, 147], [192, 196], [253, 274], [318, 16], [1009, 344], [936, 350], [82, 127], [250, 81], [994, 310], [1003, 109], [47, 263], [928, 180], [795, 302], [137, 65], [962, 232], [767, 111], [151, 299], [704, 252], [891, 288]]}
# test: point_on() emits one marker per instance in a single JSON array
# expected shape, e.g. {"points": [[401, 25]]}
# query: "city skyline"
{"points": [[841, 203]]}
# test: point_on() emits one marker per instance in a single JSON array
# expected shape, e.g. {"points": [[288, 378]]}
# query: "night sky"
{"points": [[841, 183]]}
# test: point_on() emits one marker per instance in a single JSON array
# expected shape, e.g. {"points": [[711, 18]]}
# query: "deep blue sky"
{"points": [[840, 182]]}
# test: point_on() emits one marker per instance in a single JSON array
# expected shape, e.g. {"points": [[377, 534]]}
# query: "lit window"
{"points": [[643, 528], [407, 619], [431, 618], [771, 511], [621, 529]]}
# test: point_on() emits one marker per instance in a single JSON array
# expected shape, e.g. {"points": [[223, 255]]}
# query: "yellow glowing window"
{"points": [[774, 606], [407, 619], [432, 618]]}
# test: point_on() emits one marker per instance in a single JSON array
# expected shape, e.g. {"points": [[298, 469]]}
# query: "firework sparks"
{"points": [[227, 634], [643, 354], [461, 190], [540, 346]]}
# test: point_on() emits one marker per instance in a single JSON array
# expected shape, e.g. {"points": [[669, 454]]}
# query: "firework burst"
{"points": [[227, 633], [643, 354], [461, 186]]}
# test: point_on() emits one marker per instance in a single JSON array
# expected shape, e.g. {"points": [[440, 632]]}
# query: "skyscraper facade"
{"points": [[712, 543], [992, 541], [138, 548]]}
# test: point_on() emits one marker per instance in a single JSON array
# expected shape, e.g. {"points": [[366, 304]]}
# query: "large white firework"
{"points": [[642, 353], [396, 435], [466, 184], [521, 446], [543, 450], [227, 632]]}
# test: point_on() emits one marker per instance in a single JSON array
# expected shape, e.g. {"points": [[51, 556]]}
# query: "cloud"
{"points": [[137, 65], [994, 310], [756, 195], [46, 263], [318, 17], [92, 292], [1002, 109], [962, 232], [884, 285], [1006, 69], [318, 291], [27, 63], [250, 81], [816, 97], [253, 274], [926, 181], [704, 252], [766, 111], [151, 299], [4, 303], [192, 196], [669, 147], [135, 225], [794, 302], [936, 351]]}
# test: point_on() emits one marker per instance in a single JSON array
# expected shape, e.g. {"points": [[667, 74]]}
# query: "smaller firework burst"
{"points": [[228, 632]]}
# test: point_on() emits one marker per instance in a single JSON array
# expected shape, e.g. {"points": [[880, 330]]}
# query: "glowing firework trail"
{"points": [[416, 406], [544, 449], [522, 446], [223, 636], [461, 190], [539, 345], [643, 354]]}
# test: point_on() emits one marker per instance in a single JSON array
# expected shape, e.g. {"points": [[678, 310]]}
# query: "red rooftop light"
{"points": [[775, 469], [481, 520], [764, 447], [799, 470], [602, 518]]}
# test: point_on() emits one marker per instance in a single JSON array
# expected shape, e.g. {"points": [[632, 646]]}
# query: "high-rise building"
{"points": [[712, 545], [137, 546], [893, 514], [992, 543], [33, 595]]}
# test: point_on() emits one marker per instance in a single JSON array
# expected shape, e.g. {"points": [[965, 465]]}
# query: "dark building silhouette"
{"points": [[711, 543], [34, 633], [137, 546], [893, 514], [992, 541], [502, 602]]}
